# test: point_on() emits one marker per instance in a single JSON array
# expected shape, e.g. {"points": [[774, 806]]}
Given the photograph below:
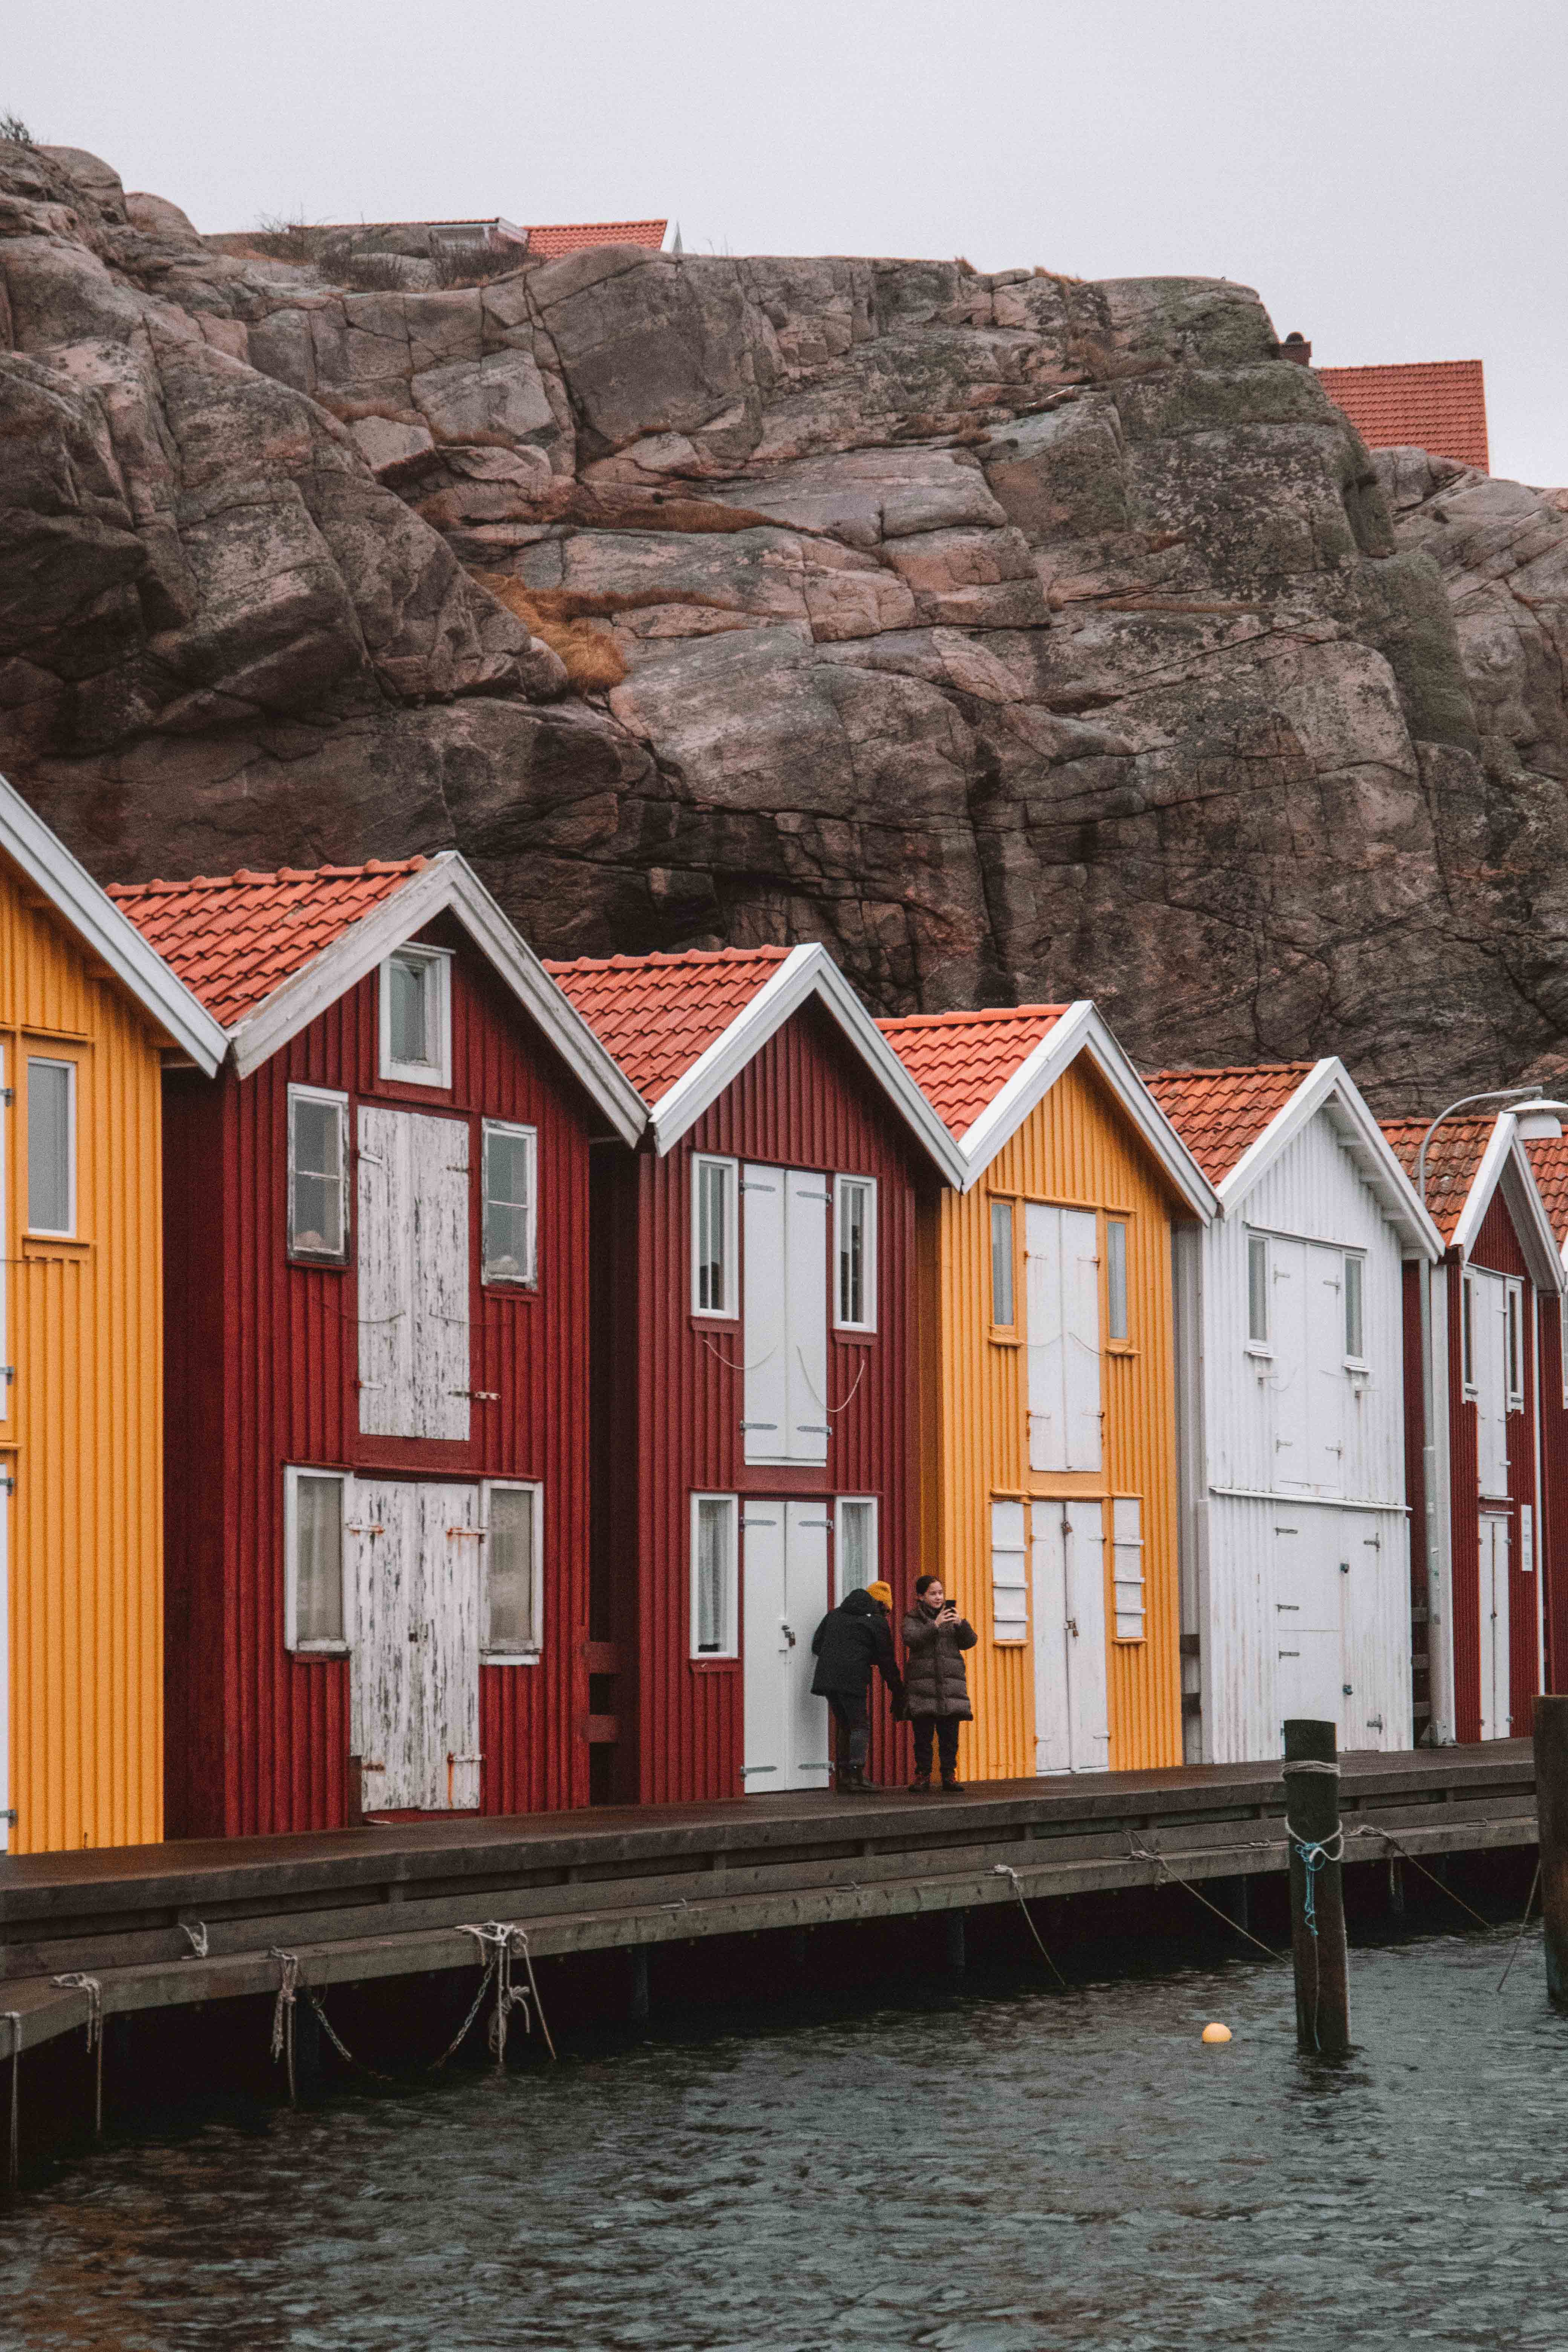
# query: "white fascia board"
{"points": [[446, 883], [1530, 1219], [111, 936], [1397, 1196], [1280, 1132], [1081, 1029], [807, 971], [1483, 1184]]}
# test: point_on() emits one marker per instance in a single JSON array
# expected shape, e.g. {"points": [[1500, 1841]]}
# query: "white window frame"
{"points": [[1468, 1335], [1264, 1346], [1018, 1628], [842, 1186], [873, 1550], [323, 1095], [1513, 1345], [1003, 1200], [531, 1654], [67, 1232], [417, 1073], [1113, 1338], [1121, 1545], [292, 1476], [1356, 1358], [726, 1312], [528, 1278], [731, 1648]]}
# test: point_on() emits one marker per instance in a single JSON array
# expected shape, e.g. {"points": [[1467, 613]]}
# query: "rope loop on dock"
{"points": [[283, 2013], [12, 2018], [1309, 1764], [195, 1935], [77, 1981], [1003, 1870], [505, 1942]]}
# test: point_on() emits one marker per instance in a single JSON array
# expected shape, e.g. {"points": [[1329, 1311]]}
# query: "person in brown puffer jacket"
{"points": [[936, 1687]]}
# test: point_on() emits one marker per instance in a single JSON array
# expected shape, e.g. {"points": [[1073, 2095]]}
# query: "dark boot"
{"points": [[920, 1785], [949, 1783]]}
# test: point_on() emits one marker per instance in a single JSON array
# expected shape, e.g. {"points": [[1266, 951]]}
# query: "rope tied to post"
{"points": [[505, 1941], [1004, 1870], [283, 2013], [77, 1981], [1314, 1852]]}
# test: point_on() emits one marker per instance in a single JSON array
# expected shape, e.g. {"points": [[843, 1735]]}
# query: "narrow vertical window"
{"points": [[1257, 1290], [1468, 1331], [416, 1017], [713, 1576], [855, 1232], [511, 1161], [313, 1546], [511, 1586], [855, 1544], [1116, 1278], [714, 1236], [1009, 1573], [1355, 1278], [51, 1146], [318, 1174], [1001, 1307], [1515, 1341]]}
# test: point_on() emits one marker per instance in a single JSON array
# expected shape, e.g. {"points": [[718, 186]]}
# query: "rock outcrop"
{"points": [[1018, 637]]}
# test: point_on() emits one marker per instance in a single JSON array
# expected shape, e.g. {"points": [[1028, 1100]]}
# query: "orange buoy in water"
{"points": [[1216, 2033]]}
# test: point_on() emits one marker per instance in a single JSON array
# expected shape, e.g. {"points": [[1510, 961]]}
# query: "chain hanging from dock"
{"points": [[505, 1941], [76, 1982]]}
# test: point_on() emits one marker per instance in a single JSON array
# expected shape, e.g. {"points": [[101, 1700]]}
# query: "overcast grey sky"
{"points": [[1390, 175]]}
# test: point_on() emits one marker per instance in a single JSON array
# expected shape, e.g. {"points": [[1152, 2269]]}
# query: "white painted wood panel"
{"points": [[1062, 1337], [451, 1564], [807, 1600], [414, 1682], [442, 1354], [1072, 1724], [808, 1202], [412, 1267], [1488, 1327], [766, 1409], [1497, 1717], [764, 1648]]}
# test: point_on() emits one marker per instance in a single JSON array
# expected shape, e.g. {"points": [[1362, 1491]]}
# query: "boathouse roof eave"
{"points": [[1505, 1167], [1328, 1086]]}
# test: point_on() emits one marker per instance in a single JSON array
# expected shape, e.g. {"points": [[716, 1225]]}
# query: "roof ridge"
{"points": [[253, 877], [1228, 1070], [668, 958], [979, 1012]]}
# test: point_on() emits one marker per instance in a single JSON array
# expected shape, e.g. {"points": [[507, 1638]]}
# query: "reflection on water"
{"points": [[998, 2171]]}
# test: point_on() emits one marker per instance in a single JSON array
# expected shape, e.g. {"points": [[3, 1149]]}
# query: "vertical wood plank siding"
{"points": [[1077, 1147], [1554, 1492], [1414, 1274], [1497, 1248], [805, 1101], [84, 1433], [261, 1737]]}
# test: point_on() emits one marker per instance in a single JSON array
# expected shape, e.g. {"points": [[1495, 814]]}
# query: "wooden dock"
{"points": [[171, 1925]]}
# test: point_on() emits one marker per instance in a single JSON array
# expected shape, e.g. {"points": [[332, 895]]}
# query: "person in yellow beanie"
{"points": [[852, 1642]]}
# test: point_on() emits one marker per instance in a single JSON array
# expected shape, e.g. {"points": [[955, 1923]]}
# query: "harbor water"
{"points": [[979, 2165]]}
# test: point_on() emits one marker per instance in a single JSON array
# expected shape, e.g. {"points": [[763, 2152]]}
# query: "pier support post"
{"points": [[1551, 1827], [957, 1959], [1312, 1775], [1396, 1886], [639, 2002]]}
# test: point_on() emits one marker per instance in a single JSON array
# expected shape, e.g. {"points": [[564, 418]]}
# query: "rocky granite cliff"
{"points": [[1019, 638]]}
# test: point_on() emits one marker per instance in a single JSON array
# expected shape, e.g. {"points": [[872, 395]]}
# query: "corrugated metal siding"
{"points": [[1414, 1275], [85, 1429], [287, 1372], [1497, 1248], [805, 1101], [1077, 1147], [1312, 1192]]}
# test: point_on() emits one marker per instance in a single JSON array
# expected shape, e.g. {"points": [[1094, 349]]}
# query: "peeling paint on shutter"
{"points": [[414, 1353], [440, 1278], [451, 1548], [385, 1304], [414, 1679]]}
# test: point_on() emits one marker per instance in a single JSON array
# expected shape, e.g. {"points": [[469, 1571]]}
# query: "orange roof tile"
{"points": [[1220, 1114], [961, 1061], [1436, 404], [657, 1013], [553, 239], [235, 938], [1548, 1159], [1452, 1156]]}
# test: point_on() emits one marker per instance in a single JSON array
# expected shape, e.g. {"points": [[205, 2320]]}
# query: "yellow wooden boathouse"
{"points": [[1049, 1499], [87, 1012]]}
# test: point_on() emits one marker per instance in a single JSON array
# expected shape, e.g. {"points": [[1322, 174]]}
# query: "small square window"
{"points": [[416, 1017], [855, 1249], [1355, 1312], [1001, 1307], [318, 1174], [315, 1605], [512, 1587], [713, 1576], [511, 1161], [855, 1544], [51, 1146], [1116, 1278], [1257, 1290], [714, 1236]]}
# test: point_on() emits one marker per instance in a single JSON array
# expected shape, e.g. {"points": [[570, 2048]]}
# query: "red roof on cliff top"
{"points": [[234, 938], [1452, 1156], [1436, 404], [657, 1013], [574, 236], [1220, 1114], [961, 1061]]}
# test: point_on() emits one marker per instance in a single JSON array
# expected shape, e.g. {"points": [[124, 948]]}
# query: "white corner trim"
{"points": [[1081, 1029], [112, 936], [807, 971], [448, 882]]}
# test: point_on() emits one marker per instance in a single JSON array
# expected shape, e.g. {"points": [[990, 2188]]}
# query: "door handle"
{"points": [[1072, 1627], [788, 1633]]}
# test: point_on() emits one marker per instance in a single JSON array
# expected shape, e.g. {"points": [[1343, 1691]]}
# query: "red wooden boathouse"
{"points": [[1495, 1301], [756, 1403], [376, 1254], [1549, 1164]]}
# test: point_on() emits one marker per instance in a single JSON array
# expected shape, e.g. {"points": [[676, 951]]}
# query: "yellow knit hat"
{"points": [[882, 1592]]}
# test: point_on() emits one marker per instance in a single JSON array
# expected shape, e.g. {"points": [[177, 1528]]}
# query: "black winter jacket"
{"points": [[933, 1662], [851, 1642]]}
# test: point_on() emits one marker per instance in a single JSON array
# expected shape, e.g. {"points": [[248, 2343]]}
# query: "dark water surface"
{"points": [[993, 2170]]}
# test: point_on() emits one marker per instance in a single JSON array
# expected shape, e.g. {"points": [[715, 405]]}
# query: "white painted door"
{"points": [[1061, 1271], [1327, 1385], [1286, 1379], [784, 1220], [1072, 1721], [1497, 1714], [412, 1267], [8, 1468], [1489, 1339], [784, 1569], [415, 1673], [1309, 1664]]}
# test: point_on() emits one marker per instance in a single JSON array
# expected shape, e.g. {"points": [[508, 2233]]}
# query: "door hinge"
{"points": [[759, 1188], [353, 1527], [758, 1424], [480, 1396], [814, 1428], [10, 1372], [8, 1812], [1344, 1567], [9, 1094]]}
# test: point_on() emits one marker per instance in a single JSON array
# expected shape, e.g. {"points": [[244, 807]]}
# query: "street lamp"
{"points": [[1538, 1118]]}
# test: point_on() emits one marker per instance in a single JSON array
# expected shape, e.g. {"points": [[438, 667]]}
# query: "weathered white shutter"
{"points": [[413, 1352], [450, 1549], [1495, 1647], [1048, 1552], [1288, 1375], [764, 1731], [1127, 1566], [807, 1203], [1009, 1573], [1081, 1323], [440, 1281], [1327, 1384], [806, 1603], [1088, 1706], [1491, 1309], [766, 1407], [381, 1531], [386, 1406], [1045, 1340]]}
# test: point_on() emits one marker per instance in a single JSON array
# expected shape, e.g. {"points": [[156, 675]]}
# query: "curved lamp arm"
{"points": [[1495, 1094]]}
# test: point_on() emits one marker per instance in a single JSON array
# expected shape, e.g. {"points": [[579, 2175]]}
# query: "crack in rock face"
{"points": [[1017, 637]]}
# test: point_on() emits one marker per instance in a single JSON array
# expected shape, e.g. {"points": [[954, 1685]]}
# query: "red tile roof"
{"points": [[1436, 404], [656, 1014], [1452, 1156], [554, 238], [1220, 1114], [961, 1061], [234, 938], [1548, 1159]]}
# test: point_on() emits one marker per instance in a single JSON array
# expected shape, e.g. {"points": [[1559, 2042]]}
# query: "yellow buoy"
{"points": [[1216, 2033]]}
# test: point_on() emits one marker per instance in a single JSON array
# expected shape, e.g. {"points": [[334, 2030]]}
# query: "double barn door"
{"points": [[784, 1569], [1072, 1717]]}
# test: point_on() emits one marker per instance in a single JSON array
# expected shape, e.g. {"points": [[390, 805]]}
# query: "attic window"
{"points": [[417, 1017]]}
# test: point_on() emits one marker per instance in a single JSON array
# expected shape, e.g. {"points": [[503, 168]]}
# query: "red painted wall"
{"points": [[1554, 1492], [262, 1362], [805, 1101], [1414, 1274]]}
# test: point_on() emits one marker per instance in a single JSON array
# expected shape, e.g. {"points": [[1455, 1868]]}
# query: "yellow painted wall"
{"points": [[1078, 1149], [83, 1436]]}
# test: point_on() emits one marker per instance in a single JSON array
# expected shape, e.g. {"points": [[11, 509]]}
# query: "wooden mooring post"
{"points": [[1311, 1773], [1552, 1822]]}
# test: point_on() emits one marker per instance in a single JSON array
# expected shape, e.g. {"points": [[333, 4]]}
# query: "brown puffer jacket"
{"points": [[934, 1679]]}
